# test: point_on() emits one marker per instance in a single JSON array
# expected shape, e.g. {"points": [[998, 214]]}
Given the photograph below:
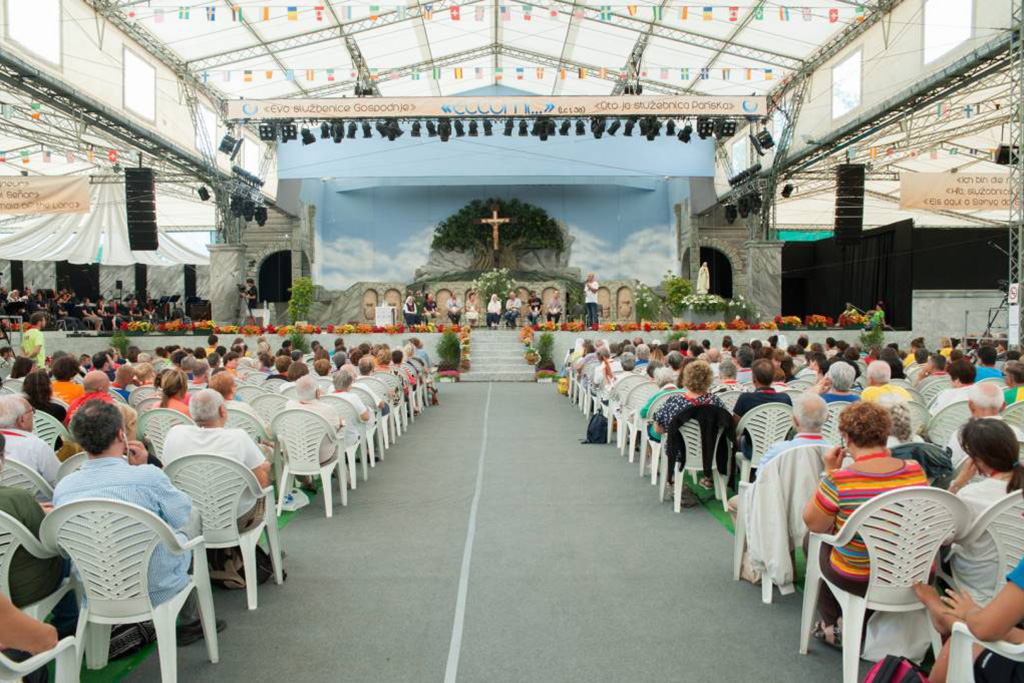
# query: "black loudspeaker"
{"points": [[849, 221], [140, 198]]}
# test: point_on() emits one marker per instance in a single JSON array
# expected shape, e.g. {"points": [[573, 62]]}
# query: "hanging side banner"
{"points": [[34, 194], [955, 191], [415, 107]]}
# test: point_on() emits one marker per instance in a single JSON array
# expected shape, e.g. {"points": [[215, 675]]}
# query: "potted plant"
{"points": [[301, 299], [546, 361], [449, 354], [531, 355]]}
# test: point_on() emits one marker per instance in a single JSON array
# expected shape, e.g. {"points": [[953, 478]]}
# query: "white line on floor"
{"points": [[451, 669]]}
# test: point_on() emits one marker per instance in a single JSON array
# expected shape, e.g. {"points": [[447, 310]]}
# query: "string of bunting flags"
{"points": [[507, 11]]}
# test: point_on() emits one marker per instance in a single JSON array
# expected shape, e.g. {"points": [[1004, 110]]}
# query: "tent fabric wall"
{"points": [[100, 236]]}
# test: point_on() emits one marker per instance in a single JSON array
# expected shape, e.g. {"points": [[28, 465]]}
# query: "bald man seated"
{"points": [[984, 400], [97, 388]]}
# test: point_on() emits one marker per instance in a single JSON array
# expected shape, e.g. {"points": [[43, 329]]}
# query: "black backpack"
{"points": [[597, 429]]}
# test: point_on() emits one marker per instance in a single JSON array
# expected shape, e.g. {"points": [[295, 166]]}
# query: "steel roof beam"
{"points": [[568, 44], [732, 37], [636, 56]]}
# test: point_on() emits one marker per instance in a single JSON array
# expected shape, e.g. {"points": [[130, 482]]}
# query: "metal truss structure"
{"points": [[1016, 227]]}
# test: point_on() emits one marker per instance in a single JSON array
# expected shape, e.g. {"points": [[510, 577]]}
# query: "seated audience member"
{"points": [[727, 375], [493, 312], [21, 637], [296, 370], [902, 431], [1013, 373], [815, 368], [986, 368], [879, 374], [837, 384], [745, 359], [174, 391], [984, 401], [865, 428], [322, 368], [933, 368], [200, 373], [64, 370], [145, 374], [37, 388], [124, 380], [342, 388], [643, 355], [962, 373], [627, 361], [809, 415], [762, 372], [604, 373], [339, 359], [892, 357], [306, 394], [281, 365], [714, 359], [209, 435], [991, 471], [96, 385], [116, 469], [130, 418], [533, 304], [21, 367], [667, 380], [231, 359], [420, 352], [102, 362], [695, 381]]}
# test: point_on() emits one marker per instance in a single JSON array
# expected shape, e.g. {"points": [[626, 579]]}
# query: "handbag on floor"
{"points": [[895, 669]]}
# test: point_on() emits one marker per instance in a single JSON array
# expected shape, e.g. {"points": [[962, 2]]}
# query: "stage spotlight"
{"points": [[630, 124], [474, 129], [597, 126], [731, 213], [203, 193], [460, 130], [325, 130], [235, 205], [227, 144], [743, 206], [260, 214], [267, 132], [653, 128], [431, 129], [787, 190], [670, 128], [762, 141], [393, 130], [543, 123], [351, 131], [564, 129], [614, 127], [416, 129], [367, 132], [705, 127], [307, 137], [444, 129], [289, 131], [382, 130], [523, 131], [488, 128], [755, 202], [509, 125], [248, 209], [338, 132], [581, 128], [535, 130], [725, 128]]}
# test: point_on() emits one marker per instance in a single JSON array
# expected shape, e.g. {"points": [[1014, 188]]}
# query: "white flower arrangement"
{"points": [[704, 303]]}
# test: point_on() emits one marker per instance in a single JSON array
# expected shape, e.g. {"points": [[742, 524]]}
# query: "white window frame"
{"points": [[27, 46], [858, 56], [124, 84], [207, 113], [943, 49]]}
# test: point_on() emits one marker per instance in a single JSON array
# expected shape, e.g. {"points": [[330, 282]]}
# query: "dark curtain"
{"points": [[82, 279]]}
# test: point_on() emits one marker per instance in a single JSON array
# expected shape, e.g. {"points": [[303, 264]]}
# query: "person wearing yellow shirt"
{"points": [[945, 346], [1013, 373], [915, 344], [32, 344], [879, 373]]}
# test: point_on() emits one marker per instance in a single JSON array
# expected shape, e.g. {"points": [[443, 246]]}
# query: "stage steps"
{"points": [[497, 356]]}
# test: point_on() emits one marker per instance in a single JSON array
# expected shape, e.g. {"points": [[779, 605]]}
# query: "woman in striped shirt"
{"points": [[864, 428]]}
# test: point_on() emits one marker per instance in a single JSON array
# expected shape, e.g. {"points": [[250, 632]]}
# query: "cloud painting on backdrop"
{"points": [[383, 233]]}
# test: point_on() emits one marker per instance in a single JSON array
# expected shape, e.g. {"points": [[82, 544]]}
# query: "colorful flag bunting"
{"points": [[520, 71], [631, 9], [783, 14], [479, 72], [346, 12], [437, 73], [293, 13], [498, 73], [759, 13], [683, 13], [36, 110], [734, 13], [374, 12], [24, 156], [183, 13], [158, 15], [428, 12], [684, 74], [266, 14], [211, 14], [269, 74], [709, 13], [806, 14], [768, 74], [455, 13], [247, 76], [582, 73], [46, 156], [400, 12], [318, 11], [478, 13], [833, 15], [458, 73], [579, 13], [527, 12], [657, 12], [69, 157], [289, 74], [860, 13], [664, 74], [330, 75], [112, 156], [606, 12], [415, 73]]}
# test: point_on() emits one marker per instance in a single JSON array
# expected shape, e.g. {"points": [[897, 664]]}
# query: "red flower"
{"points": [[124, 326], [318, 329], [271, 329], [330, 329]]}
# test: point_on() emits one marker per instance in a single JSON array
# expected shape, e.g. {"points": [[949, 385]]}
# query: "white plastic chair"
{"points": [[116, 395], [300, 431], [156, 422], [216, 484], [291, 392], [932, 387], [272, 383], [141, 392], [616, 398], [944, 423], [729, 398], [372, 401], [1001, 522], [71, 465], [799, 384], [63, 655], [110, 544], [257, 430], [347, 412], [269, 405], [902, 531], [49, 429], [248, 393], [147, 404], [998, 381], [401, 405], [656, 446], [13, 384], [830, 430], [764, 425], [14, 535], [961, 653], [919, 416], [694, 443], [21, 476], [634, 402], [1014, 414], [383, 389]]}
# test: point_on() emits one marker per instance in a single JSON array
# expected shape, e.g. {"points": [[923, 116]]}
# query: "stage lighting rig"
{"points": [[460, 130], [474, 129], [204, 194], [325, 130], [581, 128], [762, 141], [488, 128], [338, 132], [523, 129], [564, 128], [248, 209], [260, 214], [444, 129], [509, 125], [743, 206], [685, 132], [367, 132], [268, 132], [705, 127], [731, 213], [597, 125], [393, 130], [382, 130], [351, 131], [725, 128], [289, 131], [670, 128], [307, 137], [787, 190], [630, 123], [613, 128], [653, 128], [230, 145], [755, 202], [416, 129], [431, 129]]}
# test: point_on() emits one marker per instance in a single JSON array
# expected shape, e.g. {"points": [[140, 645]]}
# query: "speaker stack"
{"points": [[849, 218], [140, 198]]}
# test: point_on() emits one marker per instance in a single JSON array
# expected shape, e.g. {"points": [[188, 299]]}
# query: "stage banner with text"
{"points": [[955, 191], [34, 194], [415, 107]]}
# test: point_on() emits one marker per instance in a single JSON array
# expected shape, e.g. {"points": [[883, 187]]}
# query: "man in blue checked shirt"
{"points": [[97, 426]]}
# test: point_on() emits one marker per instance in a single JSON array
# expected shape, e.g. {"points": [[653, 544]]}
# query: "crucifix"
{"points": [[495, 224]]}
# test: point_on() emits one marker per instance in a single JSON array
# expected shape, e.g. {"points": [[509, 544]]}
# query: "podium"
{"points": [[386, 315]]}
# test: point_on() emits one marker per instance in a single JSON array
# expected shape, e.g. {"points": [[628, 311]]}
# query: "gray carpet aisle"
{"points": [[577, 572]]}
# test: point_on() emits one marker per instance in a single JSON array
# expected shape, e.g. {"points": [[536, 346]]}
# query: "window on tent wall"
{"points": [[139, 86], [947, 23], [35, 26], [206, 130], [846, 82]]}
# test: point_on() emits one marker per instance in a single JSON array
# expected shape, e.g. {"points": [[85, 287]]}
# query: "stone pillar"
{"points": [[764, 277], [227, 269]]}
